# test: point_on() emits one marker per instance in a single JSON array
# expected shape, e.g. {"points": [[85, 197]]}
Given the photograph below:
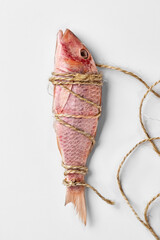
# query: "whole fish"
{"points": [[72, 56]]}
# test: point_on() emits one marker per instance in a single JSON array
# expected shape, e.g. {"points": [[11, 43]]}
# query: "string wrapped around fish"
{"points": [[77, 107]]}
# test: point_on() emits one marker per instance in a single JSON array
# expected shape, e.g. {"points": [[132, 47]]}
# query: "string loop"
{"points": [[146, 222], [76, 78]]}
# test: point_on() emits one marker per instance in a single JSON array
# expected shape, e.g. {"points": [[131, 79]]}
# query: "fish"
{"points": [[72, 56]]}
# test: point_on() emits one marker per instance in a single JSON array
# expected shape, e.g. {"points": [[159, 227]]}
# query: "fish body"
{"points": [[72, 56]]}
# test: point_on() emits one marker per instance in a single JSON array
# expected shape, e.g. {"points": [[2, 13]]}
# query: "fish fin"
{"points": [[61, 97], [77, 197]]}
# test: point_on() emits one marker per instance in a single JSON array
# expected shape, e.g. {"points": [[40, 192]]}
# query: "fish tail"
{"points": [[77, 197]]}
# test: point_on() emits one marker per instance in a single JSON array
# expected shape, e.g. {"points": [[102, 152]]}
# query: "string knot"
{"points": [[68, 183], [72, 183], [76, 78], [74, 169]]}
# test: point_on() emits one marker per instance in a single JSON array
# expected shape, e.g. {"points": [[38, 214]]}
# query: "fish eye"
{"points": [[84, 53]]}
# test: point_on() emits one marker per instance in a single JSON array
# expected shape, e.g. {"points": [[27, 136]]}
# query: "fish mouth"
{"points": [[66, 36]]}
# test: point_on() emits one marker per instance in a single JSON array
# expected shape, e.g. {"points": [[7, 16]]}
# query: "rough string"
{"points": [[140, 117], [128, 73], [146, 214], [146, 222], [150, 89], [63, 79]]}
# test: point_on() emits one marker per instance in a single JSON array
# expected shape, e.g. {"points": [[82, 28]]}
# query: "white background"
{"points": [[122, 33]]}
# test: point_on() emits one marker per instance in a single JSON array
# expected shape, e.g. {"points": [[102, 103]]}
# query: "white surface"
{"points": [[123, 33]]}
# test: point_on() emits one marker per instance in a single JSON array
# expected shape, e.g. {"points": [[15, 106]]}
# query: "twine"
{"points": [[140, 117], [146, 222], [151, 140], [128, 73], [77, 78]]}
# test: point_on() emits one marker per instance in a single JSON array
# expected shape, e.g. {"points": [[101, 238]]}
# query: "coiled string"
{"points": [[146, 222], [150, 89]]}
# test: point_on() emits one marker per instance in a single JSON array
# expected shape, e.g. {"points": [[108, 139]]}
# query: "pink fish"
{"points": [[72, 56]]}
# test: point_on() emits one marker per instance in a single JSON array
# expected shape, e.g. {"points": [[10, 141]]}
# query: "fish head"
{"points": [[71, 55]]}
